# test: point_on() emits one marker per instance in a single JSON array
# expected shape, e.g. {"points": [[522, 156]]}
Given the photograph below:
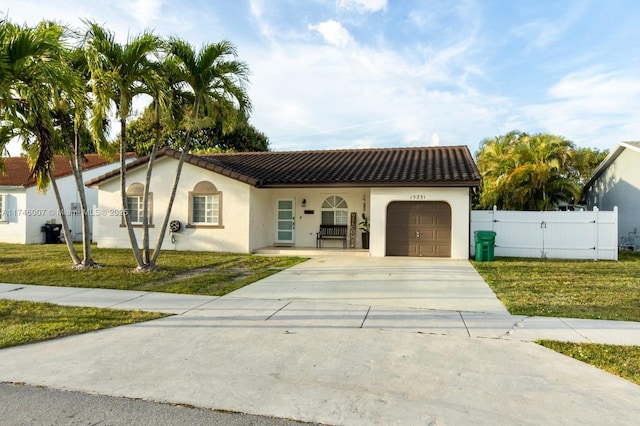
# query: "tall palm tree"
{"points": [[167, 100], [119, 73], [217, 81], [33, 66], [70, 112]]}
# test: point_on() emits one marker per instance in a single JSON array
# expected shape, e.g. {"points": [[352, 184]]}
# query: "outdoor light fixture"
{"points": [[304, 202]]}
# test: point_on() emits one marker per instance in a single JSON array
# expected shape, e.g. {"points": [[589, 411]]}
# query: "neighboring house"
{"points": [[616, 183], [417, 200], [24, 211]]}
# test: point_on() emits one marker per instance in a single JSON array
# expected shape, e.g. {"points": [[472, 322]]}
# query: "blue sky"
{"points": [[331, 74]]}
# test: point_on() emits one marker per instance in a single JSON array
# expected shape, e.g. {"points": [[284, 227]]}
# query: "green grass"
{"points": [[204, 273], [30, 322], [574, 289], [567, 288], [179, 272], [623, 361]]}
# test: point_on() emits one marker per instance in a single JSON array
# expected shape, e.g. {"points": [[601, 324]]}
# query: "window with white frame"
{"points": [[135, 204], [205, 205], [135, 209], [334, 211]]}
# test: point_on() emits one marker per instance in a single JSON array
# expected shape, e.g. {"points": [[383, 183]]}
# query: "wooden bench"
{"points": [[332, 232]]}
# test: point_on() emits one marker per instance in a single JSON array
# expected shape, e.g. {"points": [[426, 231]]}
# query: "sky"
{"points": [[334, 74]]}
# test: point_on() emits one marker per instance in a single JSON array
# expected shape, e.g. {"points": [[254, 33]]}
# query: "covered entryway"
{"points": [[418, 228]]}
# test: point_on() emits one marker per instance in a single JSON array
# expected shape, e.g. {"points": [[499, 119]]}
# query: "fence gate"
{"points": [[560, 235]]}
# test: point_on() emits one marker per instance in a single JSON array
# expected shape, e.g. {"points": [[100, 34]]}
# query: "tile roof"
{"points": [[18, 171], [426, 166]]}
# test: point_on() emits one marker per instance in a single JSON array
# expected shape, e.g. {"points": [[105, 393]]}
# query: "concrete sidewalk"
{"points": [[340, 350], [232, 311], [312, 362]]}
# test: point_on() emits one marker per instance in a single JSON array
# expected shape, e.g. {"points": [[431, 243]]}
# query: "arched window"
{"points": [[205, 205], [135, 204], [334, 211]]}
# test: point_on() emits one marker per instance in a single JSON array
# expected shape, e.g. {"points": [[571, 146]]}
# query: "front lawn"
{"points": [[574, 289], [567, 288], [30, 322], [205, 273]]}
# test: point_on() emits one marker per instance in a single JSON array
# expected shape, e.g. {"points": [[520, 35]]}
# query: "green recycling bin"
{"points": [[485, 245]]}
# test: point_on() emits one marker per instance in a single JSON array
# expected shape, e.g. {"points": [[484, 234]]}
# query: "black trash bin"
{"points": [[51, 233]]}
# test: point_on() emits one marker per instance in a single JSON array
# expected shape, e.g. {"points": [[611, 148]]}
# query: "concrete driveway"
{"points": [[399, 282], [364, 353]]}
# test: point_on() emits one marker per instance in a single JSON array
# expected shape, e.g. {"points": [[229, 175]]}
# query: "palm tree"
{"points": [[526, 172], [168, 100], [70, 112], [32, 67], [217, 82], [495, 159], [119, 73]]}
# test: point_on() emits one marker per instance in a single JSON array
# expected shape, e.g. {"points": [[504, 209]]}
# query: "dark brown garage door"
{"points": [[419, 228]]}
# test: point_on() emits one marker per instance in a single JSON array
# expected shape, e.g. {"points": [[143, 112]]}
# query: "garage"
{"points": [[418, 228]]}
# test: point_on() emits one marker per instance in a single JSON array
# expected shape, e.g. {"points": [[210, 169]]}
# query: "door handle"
{"points": [[417, 234]]}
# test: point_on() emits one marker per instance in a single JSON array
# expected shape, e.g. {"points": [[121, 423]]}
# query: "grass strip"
{"points": [[29, 322], [623, 361]]}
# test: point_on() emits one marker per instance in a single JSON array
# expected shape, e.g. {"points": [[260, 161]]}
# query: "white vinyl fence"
{"points": [[557, 234]]}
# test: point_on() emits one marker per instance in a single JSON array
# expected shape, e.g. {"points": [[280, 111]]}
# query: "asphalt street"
{"points": [[24, 405]]}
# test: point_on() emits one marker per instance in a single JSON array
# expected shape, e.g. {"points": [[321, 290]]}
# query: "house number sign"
{"points": [[352, 231]]}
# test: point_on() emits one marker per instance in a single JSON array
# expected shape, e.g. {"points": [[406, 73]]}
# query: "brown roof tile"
{"points": [[425, 166], [18, 171]]}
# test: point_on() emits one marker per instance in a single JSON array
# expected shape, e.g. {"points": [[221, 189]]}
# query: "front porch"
{"points": [[311, 251]]}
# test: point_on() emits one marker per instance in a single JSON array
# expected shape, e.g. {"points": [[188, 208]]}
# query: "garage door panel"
{"points": [[420, 228], [443, 235]]}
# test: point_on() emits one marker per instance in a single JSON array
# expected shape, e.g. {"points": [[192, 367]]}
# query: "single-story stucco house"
{"points": [[24, 210], [417, 200], [616, 183]]}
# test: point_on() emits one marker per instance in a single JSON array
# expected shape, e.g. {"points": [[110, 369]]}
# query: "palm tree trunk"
{"points": [[165, 220], [65, 225], [147, 184], [75, 158], [174, 189], [86, 240], [123, 194]]}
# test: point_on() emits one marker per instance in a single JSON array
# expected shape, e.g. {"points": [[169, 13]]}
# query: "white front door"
{"points": [[286, 221]]}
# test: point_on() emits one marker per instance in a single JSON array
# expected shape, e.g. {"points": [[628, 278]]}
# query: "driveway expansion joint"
{"points": [[576, 331], [464, 323], [365, 317], [271, 316]]}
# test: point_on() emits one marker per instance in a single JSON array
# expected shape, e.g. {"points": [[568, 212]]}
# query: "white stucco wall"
{"points": [[307, 219], [619, 186], [28, 210], [457, 198], [233, 236]]}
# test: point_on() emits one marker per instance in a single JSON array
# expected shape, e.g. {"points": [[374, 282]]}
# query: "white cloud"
{"points": [[540, 34], [333, 33], [362, 5], [323, 96], [590, 108], [145, 12]]}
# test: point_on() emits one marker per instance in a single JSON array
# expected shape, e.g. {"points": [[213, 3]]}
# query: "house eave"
{"points": [[456, 184]]}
